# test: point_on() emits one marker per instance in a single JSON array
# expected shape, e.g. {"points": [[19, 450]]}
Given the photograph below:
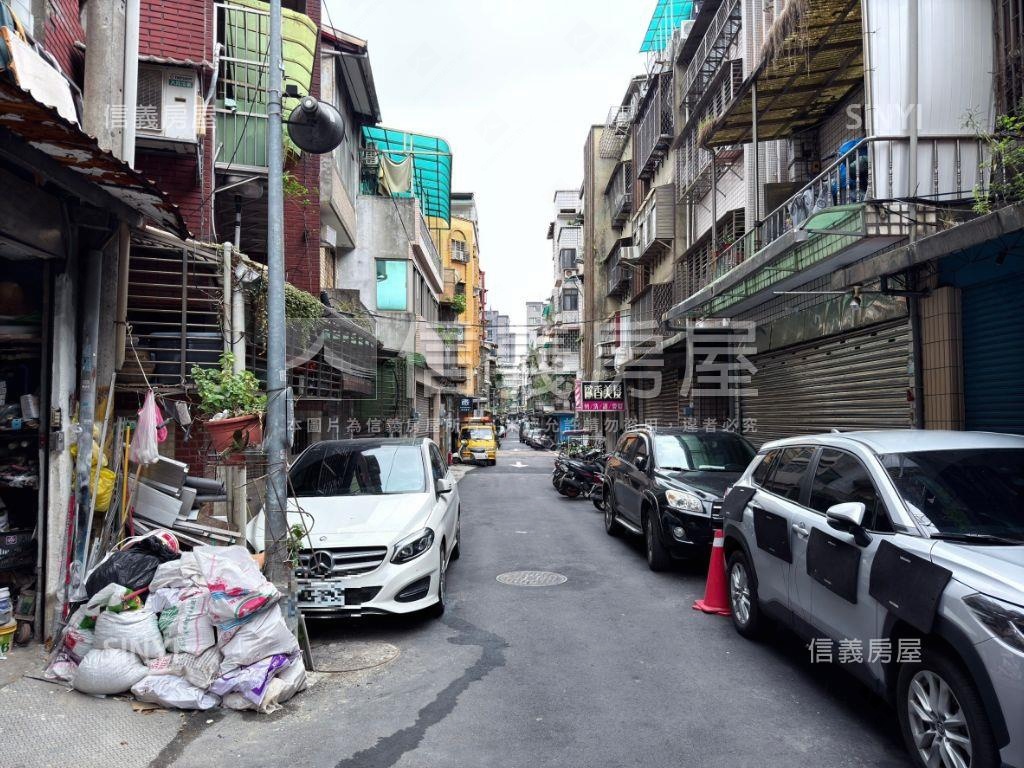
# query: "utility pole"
{"points": [[276, 516]]}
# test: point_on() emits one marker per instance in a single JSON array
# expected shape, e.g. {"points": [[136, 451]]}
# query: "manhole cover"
{"points": [[531, 578], [347, 656]]}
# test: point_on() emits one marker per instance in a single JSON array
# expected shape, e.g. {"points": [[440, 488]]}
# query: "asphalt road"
{"points": [[612, 668]]}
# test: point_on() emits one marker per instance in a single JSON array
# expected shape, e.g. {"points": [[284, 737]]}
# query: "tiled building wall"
{"points": [[942, 359]]}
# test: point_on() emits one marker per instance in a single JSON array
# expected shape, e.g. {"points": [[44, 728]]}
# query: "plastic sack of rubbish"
{"points": [[177, 574], [134, 631], [199, 670], [145, 448], [78, 635], [131, 568], [265, 635], [106, 671], [173, 692], [185, 625], [250, 681], [237, 588], [288, 681]]}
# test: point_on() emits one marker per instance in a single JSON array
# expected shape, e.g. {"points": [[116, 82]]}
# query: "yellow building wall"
{"points": [[469, 273]]}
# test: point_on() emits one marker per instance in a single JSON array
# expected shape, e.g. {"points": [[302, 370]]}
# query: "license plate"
{"points": [[479, 454], [322, 593]]}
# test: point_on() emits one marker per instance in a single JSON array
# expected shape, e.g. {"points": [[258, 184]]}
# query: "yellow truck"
{"points": [[478, 442]]}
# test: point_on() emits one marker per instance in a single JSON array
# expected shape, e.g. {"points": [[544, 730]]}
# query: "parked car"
{"points": [[667, 485], [381, 525], [897, 537]]}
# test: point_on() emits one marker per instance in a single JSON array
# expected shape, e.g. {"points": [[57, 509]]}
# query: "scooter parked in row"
{"points": [[580, 476]]}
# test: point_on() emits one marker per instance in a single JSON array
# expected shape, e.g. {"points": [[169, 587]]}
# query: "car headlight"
{"points": [[685, 502], [1004, 619], [413, 546]]}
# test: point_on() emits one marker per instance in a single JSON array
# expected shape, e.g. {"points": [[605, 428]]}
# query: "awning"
{"points": [[60, 140], [812, 59], [668, 15], [432, 166]]}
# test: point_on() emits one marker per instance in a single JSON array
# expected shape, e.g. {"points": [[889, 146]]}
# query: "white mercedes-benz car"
{"points": [[380, 519]]}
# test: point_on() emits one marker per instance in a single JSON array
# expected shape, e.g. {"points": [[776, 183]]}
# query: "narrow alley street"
{"points": [[610, 668]]}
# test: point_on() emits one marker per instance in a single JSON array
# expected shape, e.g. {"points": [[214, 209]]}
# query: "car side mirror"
{"points": [[849, 518], [640, 462], [443, 486]]}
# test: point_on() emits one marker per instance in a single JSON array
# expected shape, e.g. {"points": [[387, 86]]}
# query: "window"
{"points": [[765, 467], [336, 470], [974, 491], [23, 10], [710, 451], [392, 285], [839, 478], [641, 452], [788, 476], [570, 300], [460, 250], [567, 258], [437, 464]]}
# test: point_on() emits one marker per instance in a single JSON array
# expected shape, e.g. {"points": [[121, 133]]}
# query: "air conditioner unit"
{"points": [[629, 253], [166, 113], [686, 28], [370, 158]]}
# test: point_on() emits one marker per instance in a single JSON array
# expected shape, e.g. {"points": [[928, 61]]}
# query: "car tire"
{"points": [[437, 609], [611, 527], [964, 717], [658, 558], [742, 586]]}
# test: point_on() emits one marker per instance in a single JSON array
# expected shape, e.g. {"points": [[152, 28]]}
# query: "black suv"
{"points": [[667, 484]]}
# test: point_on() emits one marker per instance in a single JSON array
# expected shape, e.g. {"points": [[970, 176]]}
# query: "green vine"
{"points": [[301, 309], [458, 303], [1005, 162], [221, 390], [294, 188]]}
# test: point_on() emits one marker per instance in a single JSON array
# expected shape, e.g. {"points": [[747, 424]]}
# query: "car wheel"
{"points": [[746, 613], [941, 714], [457, 551], [611, 527], [658, 558], [437, 609]]}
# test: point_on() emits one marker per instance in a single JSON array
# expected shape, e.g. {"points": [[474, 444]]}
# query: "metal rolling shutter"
{"points": [[423, 406], [993, 325], [854, 381], [664, 409]]}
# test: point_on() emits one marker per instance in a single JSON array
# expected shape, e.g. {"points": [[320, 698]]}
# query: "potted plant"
{"points": [[232, 404]]}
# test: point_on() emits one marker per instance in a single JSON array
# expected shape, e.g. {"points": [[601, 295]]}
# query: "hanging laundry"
{"points": [[395, 177]]}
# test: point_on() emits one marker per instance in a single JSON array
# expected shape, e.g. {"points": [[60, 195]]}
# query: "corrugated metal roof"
{"points": [[44, 129], [812, 59]]}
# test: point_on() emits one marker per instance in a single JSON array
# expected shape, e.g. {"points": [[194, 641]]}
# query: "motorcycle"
{"points": [[583, 476]]}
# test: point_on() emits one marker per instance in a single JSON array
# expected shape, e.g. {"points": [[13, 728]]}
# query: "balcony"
{"points": [[454, 285], [654, 225], [648, 308], [619, 194], [619, 276], [655, 129], [832, 221]]}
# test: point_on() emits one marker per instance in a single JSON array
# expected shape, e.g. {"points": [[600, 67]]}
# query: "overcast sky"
{"points": [[513, 85]]}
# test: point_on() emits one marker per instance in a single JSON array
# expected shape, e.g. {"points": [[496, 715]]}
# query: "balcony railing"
{"points": [[648, 307], [656, 126], [949, 169], [620, 194], [619, 276], [241, 105]]}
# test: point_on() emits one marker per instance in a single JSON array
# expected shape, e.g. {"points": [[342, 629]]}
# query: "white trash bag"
{"points": [[199, 670], [173, 692], [135, 631], [185, 624], [263, 636], [106, 671]]}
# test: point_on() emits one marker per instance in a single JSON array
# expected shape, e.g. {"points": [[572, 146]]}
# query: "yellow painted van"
{"points": [[478, 444]]}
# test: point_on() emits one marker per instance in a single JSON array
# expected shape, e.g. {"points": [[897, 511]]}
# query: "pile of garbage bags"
{"points": [[209, 633]]}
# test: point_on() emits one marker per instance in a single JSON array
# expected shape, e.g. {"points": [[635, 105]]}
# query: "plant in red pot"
{"points": [[233, 406]]}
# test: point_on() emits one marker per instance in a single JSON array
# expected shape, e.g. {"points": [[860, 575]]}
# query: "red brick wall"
{"points": [[59, 35], [182, 29], [177, 175]]}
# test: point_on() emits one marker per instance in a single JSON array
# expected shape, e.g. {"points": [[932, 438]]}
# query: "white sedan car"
{"points": [[380, 519]]}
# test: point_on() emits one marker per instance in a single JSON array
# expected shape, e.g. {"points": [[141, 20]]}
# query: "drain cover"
{"points": [[532, 578], [349, 656]]}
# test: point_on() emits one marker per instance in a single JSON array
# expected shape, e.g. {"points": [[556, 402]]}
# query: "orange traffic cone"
{"points": [[716, 597]]}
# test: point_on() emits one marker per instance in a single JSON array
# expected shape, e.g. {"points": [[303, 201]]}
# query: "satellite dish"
{"points": [[316, 126]]}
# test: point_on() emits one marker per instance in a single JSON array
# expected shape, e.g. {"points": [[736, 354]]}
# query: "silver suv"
{"points": [[905, 549]]}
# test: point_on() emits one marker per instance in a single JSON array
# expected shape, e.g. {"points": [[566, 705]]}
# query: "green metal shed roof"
{"points": [[431, 162], [668, 15]]}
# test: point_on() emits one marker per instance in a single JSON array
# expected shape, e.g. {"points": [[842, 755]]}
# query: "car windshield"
{"points": [[977, 492], [479, 433], [382, 470], [709, 451]]}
